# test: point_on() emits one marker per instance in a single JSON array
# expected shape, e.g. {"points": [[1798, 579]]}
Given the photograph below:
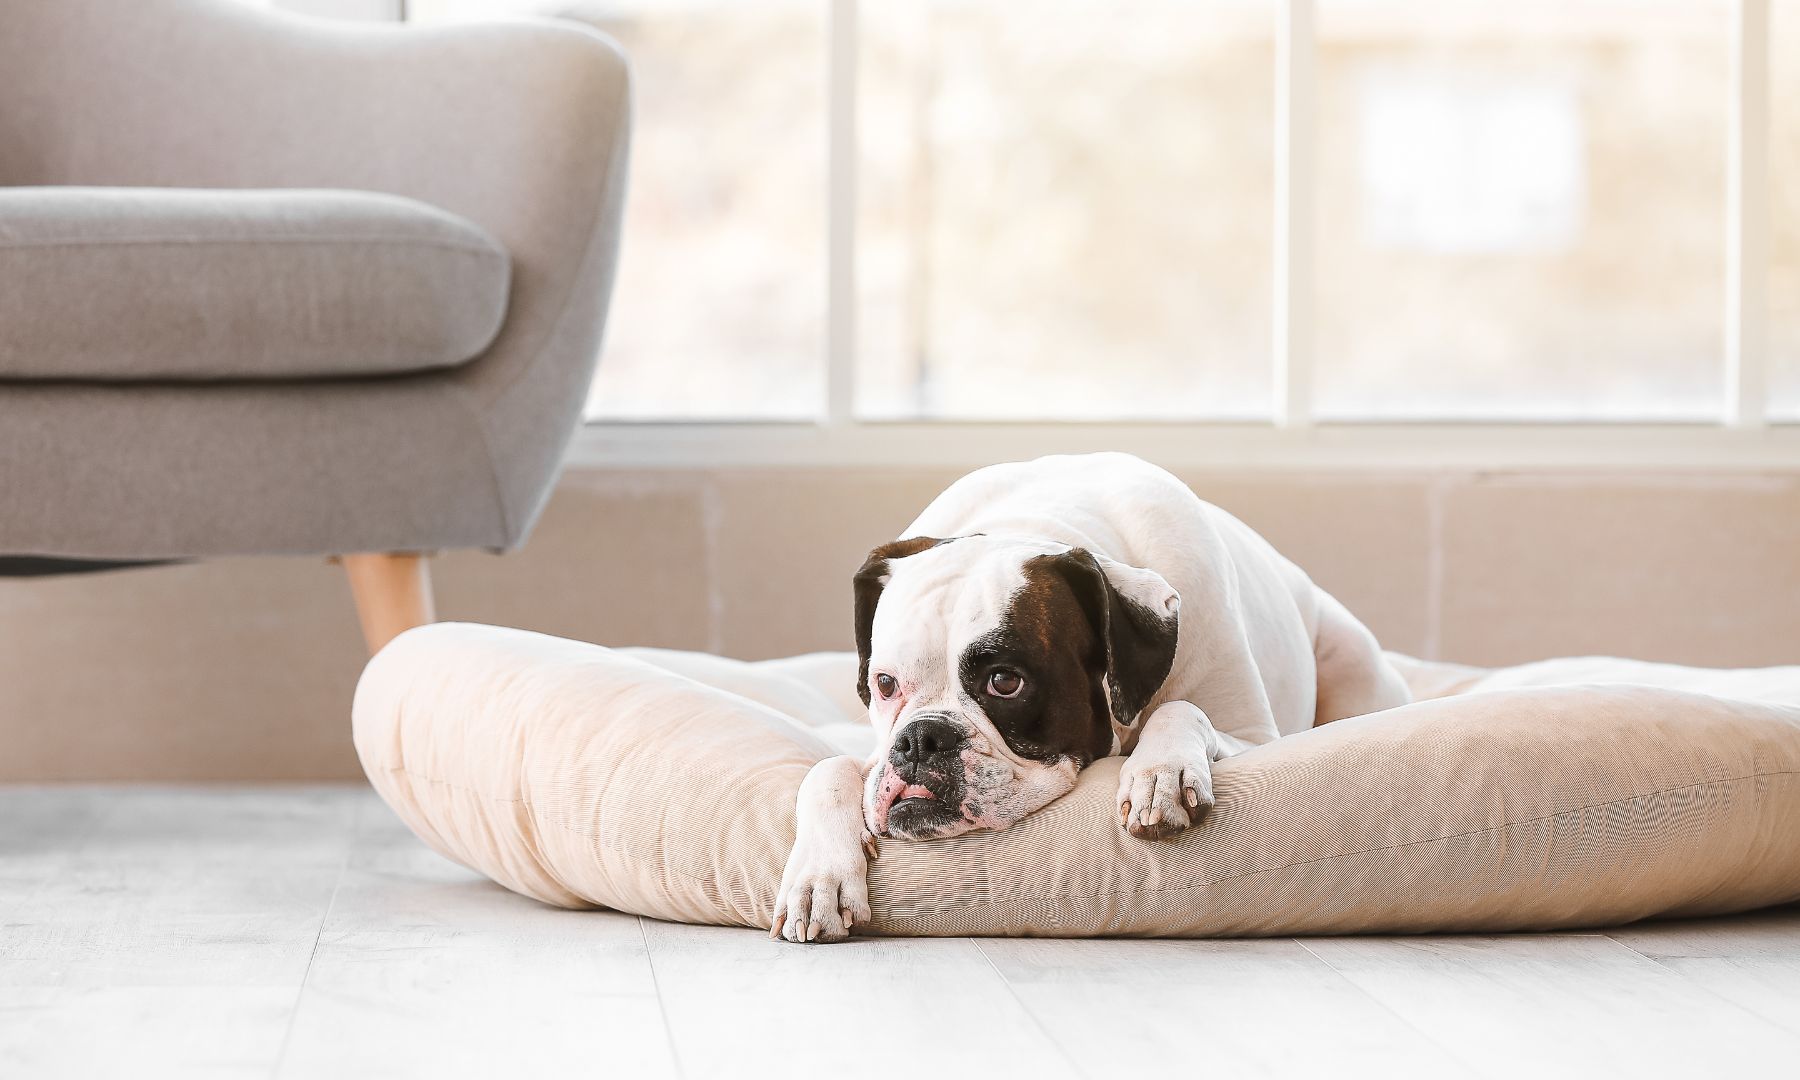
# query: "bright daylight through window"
{"points": [[1486, 173], [1066, 211], [1784, 210]]}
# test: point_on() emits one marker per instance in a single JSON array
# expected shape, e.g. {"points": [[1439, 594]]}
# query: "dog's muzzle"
{"points": [[920, 792]]}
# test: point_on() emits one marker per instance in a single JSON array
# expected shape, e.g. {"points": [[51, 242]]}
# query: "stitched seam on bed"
{"points": [[705, 876], [1493, 828], [1363, 851]]}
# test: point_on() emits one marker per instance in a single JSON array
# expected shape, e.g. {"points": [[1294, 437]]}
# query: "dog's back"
{"points": [[1130, 510]]}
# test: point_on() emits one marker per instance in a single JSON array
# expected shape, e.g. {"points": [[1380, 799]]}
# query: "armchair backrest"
{"points": [[521, 127]]}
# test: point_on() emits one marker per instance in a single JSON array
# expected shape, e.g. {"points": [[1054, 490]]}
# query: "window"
{"points": [[1521, 209], [718, 310], [1065, 212], [1310, 217], [1784, 210]]}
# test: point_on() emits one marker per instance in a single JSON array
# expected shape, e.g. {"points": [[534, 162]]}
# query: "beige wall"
{"points": [[244, 668]]}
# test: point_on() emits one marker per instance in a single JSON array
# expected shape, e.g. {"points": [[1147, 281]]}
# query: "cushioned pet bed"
{"points": [[663, 784]]}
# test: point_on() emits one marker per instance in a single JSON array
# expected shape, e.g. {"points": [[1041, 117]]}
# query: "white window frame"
{"points": [[352, 10], [1739, 437]]}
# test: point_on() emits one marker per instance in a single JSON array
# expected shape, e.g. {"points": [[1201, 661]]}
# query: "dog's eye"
{"points": [[884, 685], [1004, 683]]}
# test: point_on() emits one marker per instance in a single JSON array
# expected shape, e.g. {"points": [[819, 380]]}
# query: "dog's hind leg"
{"points": [[1354, 677]]}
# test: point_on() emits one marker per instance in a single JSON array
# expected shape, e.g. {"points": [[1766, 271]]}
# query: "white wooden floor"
{"points": [[302, 932]]}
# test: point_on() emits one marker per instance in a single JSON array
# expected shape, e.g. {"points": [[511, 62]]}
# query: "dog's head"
{"points": [[995, 669]]}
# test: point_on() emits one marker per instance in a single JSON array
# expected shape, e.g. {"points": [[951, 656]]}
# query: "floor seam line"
{"points": [[1405, 1021], [1013, 991], [1779, 1027], [337, 886], [662, 1007]]}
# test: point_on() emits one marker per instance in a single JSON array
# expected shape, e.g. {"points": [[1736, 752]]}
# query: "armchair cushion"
{"points": [[152, 284]]}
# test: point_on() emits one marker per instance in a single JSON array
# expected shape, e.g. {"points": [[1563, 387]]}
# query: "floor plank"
{"points": [[738, 1004], [1752, 960], [1774, 934], [1567, 1005], [177, 924], [287, 823], [1229, 1008], [424, 968], [172, 933], [190, 887], [141, 1031], [394, 885], [461, 1008], [305, 932], [41, 829]]}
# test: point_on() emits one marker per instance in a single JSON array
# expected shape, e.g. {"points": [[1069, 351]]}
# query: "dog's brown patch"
{"points": [[1047, 636]]}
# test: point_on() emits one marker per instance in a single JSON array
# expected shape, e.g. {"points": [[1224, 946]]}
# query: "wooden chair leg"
{"points": [[393, 594]]}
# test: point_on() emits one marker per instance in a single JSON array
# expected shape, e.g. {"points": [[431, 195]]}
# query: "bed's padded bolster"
{"points": [[580, 775]]}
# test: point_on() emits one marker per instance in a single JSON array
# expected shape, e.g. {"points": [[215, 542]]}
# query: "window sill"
{"points": [[1389, 446]]}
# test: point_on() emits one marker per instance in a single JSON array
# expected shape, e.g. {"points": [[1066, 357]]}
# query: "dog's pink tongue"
{"points": [[891, 790]]}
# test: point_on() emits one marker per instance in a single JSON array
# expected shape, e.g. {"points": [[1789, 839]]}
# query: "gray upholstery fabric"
{"points": [[182, 283], [519, 127]]}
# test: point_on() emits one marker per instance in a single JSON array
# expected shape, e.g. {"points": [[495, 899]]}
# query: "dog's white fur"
{"points": [[1261, 652]]}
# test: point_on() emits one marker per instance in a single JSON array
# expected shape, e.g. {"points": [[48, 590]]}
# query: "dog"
{"points": [[1039, 616]]}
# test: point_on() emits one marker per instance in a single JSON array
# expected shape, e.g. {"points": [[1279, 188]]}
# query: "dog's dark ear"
{"points": [[1136, 615], [870, 580]]}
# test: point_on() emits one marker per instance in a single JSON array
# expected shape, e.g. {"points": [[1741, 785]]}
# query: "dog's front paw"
{"points": [[1159, 799], [824, 891]]}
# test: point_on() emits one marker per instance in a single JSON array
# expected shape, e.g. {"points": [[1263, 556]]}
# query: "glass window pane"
{"points": [[1065, 208], [1521, 208], [1784, 204], [719, 306]]}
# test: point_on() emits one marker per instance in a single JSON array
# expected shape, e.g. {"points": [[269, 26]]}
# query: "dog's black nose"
{"points": [[926, 737]]}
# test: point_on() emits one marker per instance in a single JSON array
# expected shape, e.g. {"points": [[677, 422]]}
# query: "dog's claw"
{"points": [[1160, 800]]}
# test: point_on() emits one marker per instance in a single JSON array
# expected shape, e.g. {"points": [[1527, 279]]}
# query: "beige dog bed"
{"points": [[663, 784]]}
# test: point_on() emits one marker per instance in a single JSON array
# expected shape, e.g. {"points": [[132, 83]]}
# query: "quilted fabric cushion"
{"points": [[586, 776], [127, 284]]}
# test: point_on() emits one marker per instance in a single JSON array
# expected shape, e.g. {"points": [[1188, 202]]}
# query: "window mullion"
{"points": [[1295, 111], [840, 259], [1747, 219]]}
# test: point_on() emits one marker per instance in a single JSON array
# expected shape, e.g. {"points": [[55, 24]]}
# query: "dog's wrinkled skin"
{"points": [[1039, 616]]}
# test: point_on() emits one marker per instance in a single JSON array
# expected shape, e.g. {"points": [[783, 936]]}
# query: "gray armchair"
{"points": [[384, 353]]}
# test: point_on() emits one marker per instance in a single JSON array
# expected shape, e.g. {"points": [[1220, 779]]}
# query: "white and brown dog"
{"points": [[1040, 615]]}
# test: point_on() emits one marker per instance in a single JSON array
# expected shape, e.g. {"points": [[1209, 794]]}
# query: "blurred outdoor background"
{"points": [[1065, 208]]}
